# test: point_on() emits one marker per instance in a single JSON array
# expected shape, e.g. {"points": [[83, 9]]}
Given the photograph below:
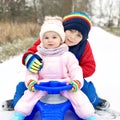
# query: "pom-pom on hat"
{"points": [[54, 24], [78, 21]]}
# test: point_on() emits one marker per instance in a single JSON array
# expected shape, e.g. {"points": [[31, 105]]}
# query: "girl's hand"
{"points": [[76, 85], [33, 63], [31, 84]]}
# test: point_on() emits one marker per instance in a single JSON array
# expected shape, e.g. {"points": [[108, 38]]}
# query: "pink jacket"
{"points": [[59, 65], [63, 67]]}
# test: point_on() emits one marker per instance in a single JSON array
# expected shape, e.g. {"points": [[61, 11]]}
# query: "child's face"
{"points": [[73, 37], [51, 40]]}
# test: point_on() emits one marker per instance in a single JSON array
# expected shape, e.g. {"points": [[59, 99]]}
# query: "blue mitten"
{"points": [[33, 63]]}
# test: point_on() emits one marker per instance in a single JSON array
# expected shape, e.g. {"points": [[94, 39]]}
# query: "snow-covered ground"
{"points": [[106, 50]]}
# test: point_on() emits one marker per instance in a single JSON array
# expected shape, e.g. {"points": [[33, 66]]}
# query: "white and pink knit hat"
{"points": [[53, 24]]}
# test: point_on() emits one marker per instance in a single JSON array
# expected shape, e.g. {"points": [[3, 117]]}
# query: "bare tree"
{"points": [[118, 3], [81, 5], [3, 9], [52, 7], [109, 9], [67, 6], [35, 10], [16, 9]]}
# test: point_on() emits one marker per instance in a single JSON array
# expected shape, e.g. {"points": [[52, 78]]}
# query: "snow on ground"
{"points": [[11, 72], [106, 49]]}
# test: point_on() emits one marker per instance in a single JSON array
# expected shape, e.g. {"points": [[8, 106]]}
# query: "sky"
{"points": [[106, 50]]}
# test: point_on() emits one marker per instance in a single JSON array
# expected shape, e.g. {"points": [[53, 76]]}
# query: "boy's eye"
{"points": [[71, 30], [78, 35]]}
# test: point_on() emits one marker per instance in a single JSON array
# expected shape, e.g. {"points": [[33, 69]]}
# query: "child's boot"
{"points": [[103, 105], [18, 116], [91, 118]]}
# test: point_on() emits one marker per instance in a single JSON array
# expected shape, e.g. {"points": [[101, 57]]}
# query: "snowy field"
{"points": [[106, 50]]}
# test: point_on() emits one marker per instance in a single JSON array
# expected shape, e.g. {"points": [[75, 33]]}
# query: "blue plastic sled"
{"points": [[53, 106]]}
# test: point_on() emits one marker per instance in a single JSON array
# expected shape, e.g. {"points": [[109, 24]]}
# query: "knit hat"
{"points": [[78, 21], [53, 24]]}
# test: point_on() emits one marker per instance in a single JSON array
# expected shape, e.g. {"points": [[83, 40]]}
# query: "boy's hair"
{"points": [[53, 24], [78, 21]]}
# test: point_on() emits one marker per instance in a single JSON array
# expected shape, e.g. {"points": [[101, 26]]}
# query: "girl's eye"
{"points": [[54, 37], [46, 38]]}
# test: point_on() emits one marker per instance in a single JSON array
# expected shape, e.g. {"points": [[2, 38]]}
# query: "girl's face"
{"points": [[73, 37], [51, 40]]}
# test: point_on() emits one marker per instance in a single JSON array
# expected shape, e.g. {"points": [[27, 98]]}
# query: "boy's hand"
{"points": [[31, 84], [75, 85], [33, 63]]}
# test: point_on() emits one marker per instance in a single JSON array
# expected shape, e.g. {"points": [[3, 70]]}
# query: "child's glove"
{"points": [[31, 84], [75, 85], [33, 63]]}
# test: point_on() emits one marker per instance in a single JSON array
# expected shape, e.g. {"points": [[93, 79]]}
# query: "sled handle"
{"points": [[53, 87]]}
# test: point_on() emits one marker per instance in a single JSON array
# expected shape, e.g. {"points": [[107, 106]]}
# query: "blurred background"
{"points": [[20, 20]]}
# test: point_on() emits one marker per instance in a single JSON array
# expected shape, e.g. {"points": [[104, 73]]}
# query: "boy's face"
{"points": [[73, 37], [51, 40]]}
